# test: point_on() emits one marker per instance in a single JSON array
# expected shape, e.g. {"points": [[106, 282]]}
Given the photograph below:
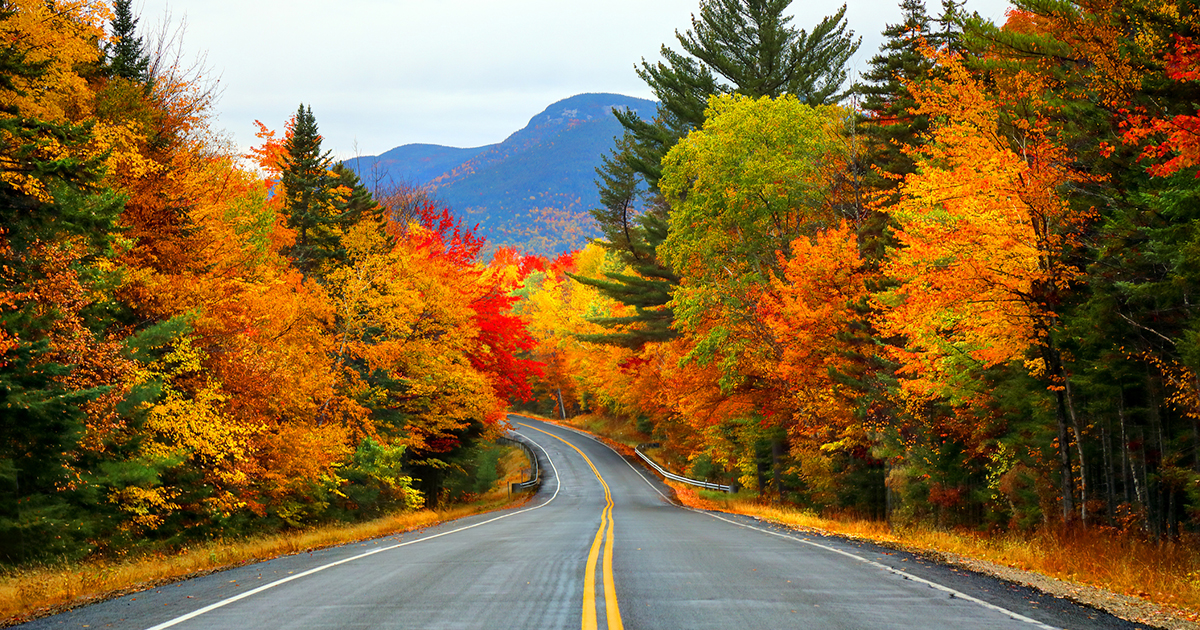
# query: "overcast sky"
{"points": [[383, 73]]}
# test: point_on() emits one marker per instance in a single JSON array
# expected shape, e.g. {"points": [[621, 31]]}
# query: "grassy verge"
{"points": [[33, 592], [1166, 574]]}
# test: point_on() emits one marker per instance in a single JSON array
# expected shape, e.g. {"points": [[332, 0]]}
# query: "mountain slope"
{"points": [[532, 190], [411, 163]]}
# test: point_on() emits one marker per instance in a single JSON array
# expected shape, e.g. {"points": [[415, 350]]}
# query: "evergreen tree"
{"points": [[886, 101], [308, 194], [739, 46], [43, 417], [126, 57], [950, 25], [354, 203], [633, 237], [748, 47]]}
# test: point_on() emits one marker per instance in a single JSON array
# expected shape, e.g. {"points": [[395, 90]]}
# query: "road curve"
{"points": [[599, 547]]}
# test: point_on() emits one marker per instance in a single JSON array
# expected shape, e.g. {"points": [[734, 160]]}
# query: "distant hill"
{"points": [[534, 189]]}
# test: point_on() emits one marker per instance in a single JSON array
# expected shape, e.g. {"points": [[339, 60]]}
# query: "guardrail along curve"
{"points": [[535, 468], [707, 485]]}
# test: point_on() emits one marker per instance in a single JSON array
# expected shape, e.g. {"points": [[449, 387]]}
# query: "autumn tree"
{"points": [[742, 47], [742, 189], [754, 181], [55, 244], [982, 261]]}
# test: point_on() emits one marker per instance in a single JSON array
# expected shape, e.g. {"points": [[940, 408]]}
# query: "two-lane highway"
{"points": [[599, 547]]}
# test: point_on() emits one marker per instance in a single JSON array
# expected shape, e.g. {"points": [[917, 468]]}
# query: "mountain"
{"points": [[411, 163], [531, 191]]}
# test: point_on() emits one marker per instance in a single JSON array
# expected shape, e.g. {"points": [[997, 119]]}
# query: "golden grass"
{"points": [[33, 592], [1166, 573]]}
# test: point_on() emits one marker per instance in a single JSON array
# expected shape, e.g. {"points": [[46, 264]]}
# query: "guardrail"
{"points": [[535, 471], [707, 485]]}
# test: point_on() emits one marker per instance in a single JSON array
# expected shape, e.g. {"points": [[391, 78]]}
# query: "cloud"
{"points": [[456, 72]]}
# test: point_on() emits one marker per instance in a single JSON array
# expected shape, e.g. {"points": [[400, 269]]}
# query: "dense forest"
{"points": [[956, 292], [195, 343]]}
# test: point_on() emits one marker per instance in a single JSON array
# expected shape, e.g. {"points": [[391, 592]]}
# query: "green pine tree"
{"points": [[308, 185], [126, 56], [358, 204], [886, 100]]}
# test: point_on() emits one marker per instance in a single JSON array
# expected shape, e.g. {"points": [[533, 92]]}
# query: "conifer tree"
{"points": [[356, 202], [950, 25], [307, 191], [886, 100], [126, 56]]}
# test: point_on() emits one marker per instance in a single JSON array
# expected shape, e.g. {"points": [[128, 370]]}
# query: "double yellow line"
{"points": [[612, 611]]}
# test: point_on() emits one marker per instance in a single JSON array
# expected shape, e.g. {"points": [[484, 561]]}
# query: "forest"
{"points": [[197, 344], [956, 291]]}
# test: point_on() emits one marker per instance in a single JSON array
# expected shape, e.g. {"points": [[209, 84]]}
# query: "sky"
{"points": [[383, 73]]}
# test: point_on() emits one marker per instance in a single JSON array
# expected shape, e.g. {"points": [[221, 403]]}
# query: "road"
{"points": [[599, 547]]}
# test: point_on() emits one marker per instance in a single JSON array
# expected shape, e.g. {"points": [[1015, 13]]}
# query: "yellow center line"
{"points": [[612, 611]]}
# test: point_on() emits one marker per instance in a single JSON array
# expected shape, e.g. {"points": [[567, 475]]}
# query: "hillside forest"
{"points": [[955, 292]]}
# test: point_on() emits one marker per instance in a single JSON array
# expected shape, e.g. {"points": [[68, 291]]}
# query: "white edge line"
{"points": [[264, 587], [904, 574]]}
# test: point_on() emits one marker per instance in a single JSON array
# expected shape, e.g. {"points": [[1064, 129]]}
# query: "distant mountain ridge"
{"points": [[531, 191]]}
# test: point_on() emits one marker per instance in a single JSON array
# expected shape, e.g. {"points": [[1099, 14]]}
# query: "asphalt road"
{"points": [[599, 547]]}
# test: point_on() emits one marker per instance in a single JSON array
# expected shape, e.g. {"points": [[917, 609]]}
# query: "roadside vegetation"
{"points": [[38, 589]]}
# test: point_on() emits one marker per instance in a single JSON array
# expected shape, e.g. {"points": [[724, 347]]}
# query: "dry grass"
{"points": [[34, 592], [1166, 573], [621, 431]]}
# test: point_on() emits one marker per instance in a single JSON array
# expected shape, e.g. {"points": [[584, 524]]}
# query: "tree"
{"points": [[634, 239], [983, 240], [745, 47], [126, 55], [58, 223], [756, 177], [751, 47], [887, 103], [308, 193]]}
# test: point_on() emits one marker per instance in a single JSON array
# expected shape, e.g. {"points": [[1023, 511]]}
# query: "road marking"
{"points": [[904, 574], [612, 611], [908, 576], [265, 587]]}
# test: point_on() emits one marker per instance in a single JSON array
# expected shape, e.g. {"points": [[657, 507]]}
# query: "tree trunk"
{"points": [[1083, 493], [1126, 466], [776, 456], [1067, 486], [1110, 496]]}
